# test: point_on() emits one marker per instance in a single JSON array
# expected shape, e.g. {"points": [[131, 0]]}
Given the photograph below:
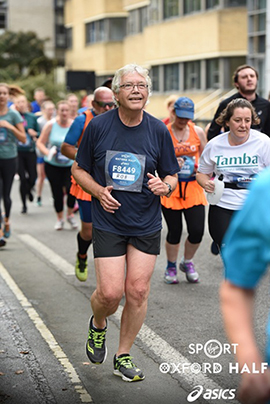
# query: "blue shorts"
{"points": [[85, 209], [40, 160]]}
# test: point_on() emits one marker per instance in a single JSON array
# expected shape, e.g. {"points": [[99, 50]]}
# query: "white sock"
{"points": [[184, 260]]}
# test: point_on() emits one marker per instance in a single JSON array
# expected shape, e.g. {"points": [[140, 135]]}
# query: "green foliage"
{"points": [[24, 63], [53, 91], [22, 54]]}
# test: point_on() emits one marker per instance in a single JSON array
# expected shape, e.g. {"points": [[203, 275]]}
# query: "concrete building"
{"points": [[191, 47], [45, 18], [258, 36]]}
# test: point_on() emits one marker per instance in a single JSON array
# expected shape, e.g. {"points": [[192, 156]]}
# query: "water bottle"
{"points": [[214, 197]]}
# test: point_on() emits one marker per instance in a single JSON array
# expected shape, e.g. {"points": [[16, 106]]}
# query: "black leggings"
{"points": [[8, 168], [194, 218], [27, 170], [59, 179], [218, 222]]}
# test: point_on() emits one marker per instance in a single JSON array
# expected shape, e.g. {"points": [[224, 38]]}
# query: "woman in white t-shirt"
{"points": [[236, 157]]}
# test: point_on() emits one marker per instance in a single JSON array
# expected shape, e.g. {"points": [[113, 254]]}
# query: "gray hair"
{"points": [[130, 68]]}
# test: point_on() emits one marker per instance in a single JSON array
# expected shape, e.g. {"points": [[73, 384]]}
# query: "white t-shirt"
{"points": [[236, 163]]}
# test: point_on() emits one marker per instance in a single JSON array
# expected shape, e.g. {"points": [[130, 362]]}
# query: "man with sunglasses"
{"points": [[126, 161], [102, 102]]}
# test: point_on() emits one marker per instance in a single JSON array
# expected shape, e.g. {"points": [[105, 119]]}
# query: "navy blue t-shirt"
{"points": [[131, 152]]}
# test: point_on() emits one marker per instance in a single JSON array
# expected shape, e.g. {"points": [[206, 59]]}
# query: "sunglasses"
{"points": [[104, 104]]}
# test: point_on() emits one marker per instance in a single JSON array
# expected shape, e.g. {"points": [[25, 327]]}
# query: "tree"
{"points": [[53, 90], [22, 54]]}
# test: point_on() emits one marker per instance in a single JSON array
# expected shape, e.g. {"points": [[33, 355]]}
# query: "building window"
{"points": [[170, 8], [90, 33], [191, 6], [108, 29], [69, 38], [211, 3], [261, 44], [61, 41], [155, 78], [101, 31], [59, 3], [117, 29], [257, 5], [59, 19], [192, 75], [2, 21], [137, 20], [143, 18], [154, 12], [257, 44], [60, 36], [235, 3], [212, 73], [132, 22], [262, 22], [171, 77], [257, 22]]}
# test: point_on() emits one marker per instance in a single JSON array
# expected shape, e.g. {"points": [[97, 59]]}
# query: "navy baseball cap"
{"points": [[184, 108]]}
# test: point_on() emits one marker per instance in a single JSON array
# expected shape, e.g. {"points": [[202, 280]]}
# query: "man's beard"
{"points": [[247, 91]]}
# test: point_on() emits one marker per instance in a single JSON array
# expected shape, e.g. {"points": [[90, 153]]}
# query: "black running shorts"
{"points": [[106, 244]]}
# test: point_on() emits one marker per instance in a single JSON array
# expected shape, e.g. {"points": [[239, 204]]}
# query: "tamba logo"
{"points": [[211, 394]]}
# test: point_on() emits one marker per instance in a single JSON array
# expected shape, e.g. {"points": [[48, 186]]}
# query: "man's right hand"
{"points": [[107, 201]]}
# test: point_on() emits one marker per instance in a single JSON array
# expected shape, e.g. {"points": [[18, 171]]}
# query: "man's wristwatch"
{"points": [[170, 189]]}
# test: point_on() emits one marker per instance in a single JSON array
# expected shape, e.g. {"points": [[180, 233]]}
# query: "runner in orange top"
{"points": [[102, 102], [188, 198], [75, 188]]}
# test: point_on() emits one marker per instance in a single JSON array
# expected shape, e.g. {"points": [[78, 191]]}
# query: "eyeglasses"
{"points": [[104, 104], [131, 86]]}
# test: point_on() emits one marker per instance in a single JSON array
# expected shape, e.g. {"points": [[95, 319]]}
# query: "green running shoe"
{"points": [[125, 368], [95, 347], [81, 270]]}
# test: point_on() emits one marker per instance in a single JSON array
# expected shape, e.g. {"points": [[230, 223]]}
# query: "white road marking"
{"points": [[47, 336], [47, 253], [165, 352]]}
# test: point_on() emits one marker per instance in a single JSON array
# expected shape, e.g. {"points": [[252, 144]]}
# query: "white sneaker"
{"points": [[191, 274], [71, 220], [59, 225], [170, 275]]}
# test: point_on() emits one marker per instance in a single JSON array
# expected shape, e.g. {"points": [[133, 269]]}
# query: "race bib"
{"points": [[244, 182], [3, 135], [188, 168], [27, 144], [60, 158], [124, 170]]}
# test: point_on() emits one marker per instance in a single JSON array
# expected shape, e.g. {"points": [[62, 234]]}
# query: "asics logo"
{"points": [[89, 348], [211, 394], [196, 392]]}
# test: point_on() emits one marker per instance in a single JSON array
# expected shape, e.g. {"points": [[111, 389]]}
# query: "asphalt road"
{"points": [[44, 323]]}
